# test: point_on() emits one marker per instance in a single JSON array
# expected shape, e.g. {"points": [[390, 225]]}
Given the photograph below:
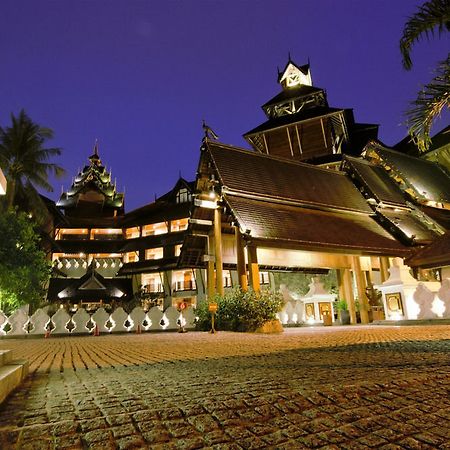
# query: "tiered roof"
{"points": [[92, 192]]}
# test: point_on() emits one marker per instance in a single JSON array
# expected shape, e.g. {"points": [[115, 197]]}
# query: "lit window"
{"points": [[154, 253], [183, 281], [152, 283], [154, 228], [132, 233], [179, 225], [131, 257], [178, 250], [183, 196]]}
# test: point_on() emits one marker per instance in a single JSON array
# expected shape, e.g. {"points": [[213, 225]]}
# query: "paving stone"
{"points": [[342, 387]]}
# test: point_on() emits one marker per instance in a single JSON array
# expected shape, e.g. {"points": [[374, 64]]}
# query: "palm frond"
{"points": [[432, 15], [430, 102]]}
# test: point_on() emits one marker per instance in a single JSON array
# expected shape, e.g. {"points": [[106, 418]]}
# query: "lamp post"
{"points": [[212, 307]]}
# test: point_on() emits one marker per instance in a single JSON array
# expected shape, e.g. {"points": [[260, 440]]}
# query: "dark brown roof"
{"points": [[90, 287], [312, 229], [436, 254], [149, 266], [426, 178], [292, 93], [376, 181], [249, 173], [282, 121], [441, 216], [408, 224]]}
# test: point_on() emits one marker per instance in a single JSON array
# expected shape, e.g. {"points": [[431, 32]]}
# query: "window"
{"points": [[154, 228], [183, 281], [131, 257], [178, 250], [106, 234], [152, 283], [75, 234], [227, 279], [264, 277], [179, 225], [183, 196], [154, 253], [132, 233]]}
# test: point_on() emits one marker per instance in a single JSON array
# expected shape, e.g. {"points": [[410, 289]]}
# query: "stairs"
{"points": [[12, 373]]}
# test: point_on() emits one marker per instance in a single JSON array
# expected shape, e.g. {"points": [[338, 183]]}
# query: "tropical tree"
{"points": [[433, 16], [24, 269], [24, 161]]}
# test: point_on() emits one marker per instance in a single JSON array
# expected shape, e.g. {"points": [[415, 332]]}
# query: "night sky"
{"points": [[140, 76]]}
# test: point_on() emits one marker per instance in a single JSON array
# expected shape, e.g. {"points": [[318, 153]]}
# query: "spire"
{"points": [[94, 158]]}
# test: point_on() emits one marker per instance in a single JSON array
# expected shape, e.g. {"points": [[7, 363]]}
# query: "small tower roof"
{"points": [[294, 75]]}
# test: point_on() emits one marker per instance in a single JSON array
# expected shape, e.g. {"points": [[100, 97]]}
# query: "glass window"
{"points": [[179, 225], [154, 253], [183, 196], [154, 228]]}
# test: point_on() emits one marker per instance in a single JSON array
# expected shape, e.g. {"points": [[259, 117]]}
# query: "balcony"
{"points": [[188, 285]]}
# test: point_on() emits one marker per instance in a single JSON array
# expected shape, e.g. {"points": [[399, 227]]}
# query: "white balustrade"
{"points": [[38, 322], [137, 317], [60, 320]]}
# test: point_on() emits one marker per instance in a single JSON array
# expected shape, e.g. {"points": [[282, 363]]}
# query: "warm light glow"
{"points": [[205, 204], [2, 183]]}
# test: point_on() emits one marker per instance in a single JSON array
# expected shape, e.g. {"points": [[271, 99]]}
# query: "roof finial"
{"points": [[209, 133], [95, 158], [289, 57]]}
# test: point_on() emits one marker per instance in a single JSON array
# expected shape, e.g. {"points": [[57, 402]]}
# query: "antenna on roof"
{"points": [[96, 147], [289, 57]]}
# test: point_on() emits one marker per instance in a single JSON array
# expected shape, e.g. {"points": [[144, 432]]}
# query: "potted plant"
{"points": [[344, 314]]}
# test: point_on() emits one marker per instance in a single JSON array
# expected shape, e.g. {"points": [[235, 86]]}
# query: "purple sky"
{"points": [[141, 75]]}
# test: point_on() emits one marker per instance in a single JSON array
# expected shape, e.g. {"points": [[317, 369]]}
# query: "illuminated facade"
{"points": [[102, 255], [317, 193]]}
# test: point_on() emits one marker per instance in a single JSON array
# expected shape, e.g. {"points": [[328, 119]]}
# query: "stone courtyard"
{"points": [[324, 387]]}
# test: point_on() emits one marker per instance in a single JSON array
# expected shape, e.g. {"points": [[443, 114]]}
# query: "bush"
{"points": [[240, 311]]}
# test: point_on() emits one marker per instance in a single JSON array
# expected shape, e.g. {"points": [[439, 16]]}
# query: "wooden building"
{"points": [[318, 192], [102, 255]]}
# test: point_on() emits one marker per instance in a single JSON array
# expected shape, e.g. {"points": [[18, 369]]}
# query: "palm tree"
{"points": [[432, 15], [23, 159]]}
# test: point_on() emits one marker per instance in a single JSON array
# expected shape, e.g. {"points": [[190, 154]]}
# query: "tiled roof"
{"points": [[376, 181], [74, 290], [436, 254], [245, 172], [426, 178], [441, 216], [408, 224], [308, 228]]}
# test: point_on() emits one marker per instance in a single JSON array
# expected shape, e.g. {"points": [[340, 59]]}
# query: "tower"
{"points": [[301, 125]]}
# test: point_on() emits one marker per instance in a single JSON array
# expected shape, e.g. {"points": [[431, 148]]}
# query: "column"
{"points": [[240, 260], [218, 251], [210, 280], [361, 289], [253, 269], [384, 268], [348, 293]]}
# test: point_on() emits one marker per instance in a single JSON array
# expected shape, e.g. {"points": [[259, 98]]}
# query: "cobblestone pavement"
{"points": [[326, 387]]}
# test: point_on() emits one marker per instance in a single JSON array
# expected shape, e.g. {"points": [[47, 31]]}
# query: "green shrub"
{"points": [[240, 311]]}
